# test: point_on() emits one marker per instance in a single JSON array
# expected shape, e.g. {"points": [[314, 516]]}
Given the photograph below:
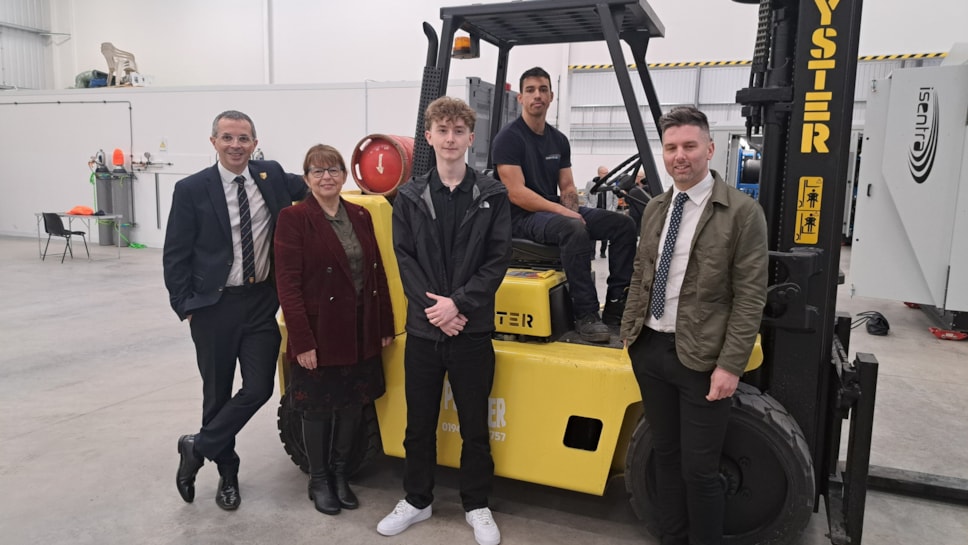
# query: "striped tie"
{"points": [[662, 272], [245, 227]]}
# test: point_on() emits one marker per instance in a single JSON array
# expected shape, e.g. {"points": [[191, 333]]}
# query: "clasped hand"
{"points": [[445, 315]]}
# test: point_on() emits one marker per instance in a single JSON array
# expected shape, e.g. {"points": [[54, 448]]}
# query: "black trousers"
{"points": [[468, 361], [688, 435], [240, 327], [575, 241]]}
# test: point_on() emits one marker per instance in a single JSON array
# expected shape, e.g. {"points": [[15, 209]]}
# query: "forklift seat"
{"points": [[528, 254]]}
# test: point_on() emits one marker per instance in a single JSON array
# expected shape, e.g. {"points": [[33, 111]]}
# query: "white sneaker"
{"points": [[402, 517], [485, 530]]}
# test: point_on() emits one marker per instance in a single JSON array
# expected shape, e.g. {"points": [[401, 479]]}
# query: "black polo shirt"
{"points": [[450, 207]]}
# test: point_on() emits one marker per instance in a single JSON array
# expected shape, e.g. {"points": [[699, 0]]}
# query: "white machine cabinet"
{"points": [[911, 226]]}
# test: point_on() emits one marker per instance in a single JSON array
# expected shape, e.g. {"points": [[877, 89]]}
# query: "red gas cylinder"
{"points": [[381, 162]]}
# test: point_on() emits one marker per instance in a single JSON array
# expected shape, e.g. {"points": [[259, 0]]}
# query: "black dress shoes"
{"points": [[228, 496], [188, 467]]}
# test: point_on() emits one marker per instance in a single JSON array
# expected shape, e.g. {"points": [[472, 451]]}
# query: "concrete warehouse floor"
{"points": [[98, 380]]}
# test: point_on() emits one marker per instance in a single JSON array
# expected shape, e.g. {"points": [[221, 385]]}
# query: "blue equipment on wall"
{"points": [[748, 172]]}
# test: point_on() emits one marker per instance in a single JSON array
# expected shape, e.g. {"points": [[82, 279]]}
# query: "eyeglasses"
{"points": [[243, 139], [317, 173]]}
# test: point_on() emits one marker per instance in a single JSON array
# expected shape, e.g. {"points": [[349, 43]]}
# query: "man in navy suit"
{"points": [[219, 277]]}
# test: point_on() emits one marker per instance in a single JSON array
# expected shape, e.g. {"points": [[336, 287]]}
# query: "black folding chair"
{"points": [[54, 226]]}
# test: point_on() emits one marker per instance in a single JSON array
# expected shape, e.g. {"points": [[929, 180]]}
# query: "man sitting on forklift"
{"points": [[533, 160]]}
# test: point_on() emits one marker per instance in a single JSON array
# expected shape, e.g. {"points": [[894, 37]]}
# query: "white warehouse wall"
{"points": [[48, 138], [228, 42], [243, 42], [287, 62]]}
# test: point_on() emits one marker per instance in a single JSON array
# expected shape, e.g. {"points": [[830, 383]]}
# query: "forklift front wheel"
{"points": [[766, 469], [368, 442]]}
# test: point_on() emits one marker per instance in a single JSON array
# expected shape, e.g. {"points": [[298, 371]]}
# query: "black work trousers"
{"points": [[468, 361], [575, 242], [241, 327], [688, 434]]}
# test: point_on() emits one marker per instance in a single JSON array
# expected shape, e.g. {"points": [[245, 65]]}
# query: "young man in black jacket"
{"points": [[452, 239]]}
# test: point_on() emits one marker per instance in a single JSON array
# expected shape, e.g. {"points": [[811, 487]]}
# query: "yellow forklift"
{"points": [[568, 414]]}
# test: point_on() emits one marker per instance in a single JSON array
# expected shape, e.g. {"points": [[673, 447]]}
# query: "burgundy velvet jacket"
{"points": [[315, 286]]}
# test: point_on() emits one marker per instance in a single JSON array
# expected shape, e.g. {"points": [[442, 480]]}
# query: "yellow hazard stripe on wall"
{"points": [[661, 65], [700, 64], [903, 57]]}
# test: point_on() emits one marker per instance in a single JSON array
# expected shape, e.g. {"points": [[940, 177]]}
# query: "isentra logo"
{"points": [[924, 144]]}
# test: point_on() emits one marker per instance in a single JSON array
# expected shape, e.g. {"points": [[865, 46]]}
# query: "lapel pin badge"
{"points": [[262, 175]]}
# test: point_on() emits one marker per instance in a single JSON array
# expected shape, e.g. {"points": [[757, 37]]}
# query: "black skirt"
{"points": [[329, 387], [336, 386]]}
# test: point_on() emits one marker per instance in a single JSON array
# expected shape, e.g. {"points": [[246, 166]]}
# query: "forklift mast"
{"points": [[800, 100]]}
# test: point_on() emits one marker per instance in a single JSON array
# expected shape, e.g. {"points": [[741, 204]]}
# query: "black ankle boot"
{"points": [[344, 437], [347, 499], [322, 489]]}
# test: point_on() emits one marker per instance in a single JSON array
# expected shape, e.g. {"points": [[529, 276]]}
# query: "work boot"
{"points": [[614, 309], [591, 329], [322, 489], [344, 438]]}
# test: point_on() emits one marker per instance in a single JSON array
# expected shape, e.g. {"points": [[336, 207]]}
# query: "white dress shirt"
{"points": [[691, 210], [258, 213]]}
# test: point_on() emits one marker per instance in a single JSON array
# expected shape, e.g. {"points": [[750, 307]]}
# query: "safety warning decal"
{"points": [[808, 210]]}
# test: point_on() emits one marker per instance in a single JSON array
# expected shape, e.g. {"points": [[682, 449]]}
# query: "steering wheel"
{"points": [[620, 180]]}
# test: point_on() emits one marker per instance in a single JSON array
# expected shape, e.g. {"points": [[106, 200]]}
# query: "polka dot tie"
{"points": [[245, 228], [662, 271]]}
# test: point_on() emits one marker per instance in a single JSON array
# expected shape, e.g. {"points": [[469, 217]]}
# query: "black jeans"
{"points": [[468, 361], [688, 434], [240, 327], [575, 240]]}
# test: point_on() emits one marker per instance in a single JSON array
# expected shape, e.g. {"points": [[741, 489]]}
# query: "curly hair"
{"points": [[449, 109]]}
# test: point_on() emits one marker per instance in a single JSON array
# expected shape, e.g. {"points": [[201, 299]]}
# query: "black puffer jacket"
{"points": [[482, 252]]}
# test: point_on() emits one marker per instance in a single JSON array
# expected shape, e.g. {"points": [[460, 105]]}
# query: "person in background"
{"points": [[336, 303], [605, 200], [637, 199], [452, 239], [694, 308], [219, 277], [534, 162]]}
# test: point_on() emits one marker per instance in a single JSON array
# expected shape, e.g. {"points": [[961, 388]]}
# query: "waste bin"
{"points": [[115, 196], [122, 202], [102, 187]]}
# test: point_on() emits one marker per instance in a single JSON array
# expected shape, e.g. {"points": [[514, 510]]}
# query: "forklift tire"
{"points": [[368, 442], [766, 467]]}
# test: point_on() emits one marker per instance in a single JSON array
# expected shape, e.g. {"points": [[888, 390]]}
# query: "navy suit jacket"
{"points": [[198, 242]]}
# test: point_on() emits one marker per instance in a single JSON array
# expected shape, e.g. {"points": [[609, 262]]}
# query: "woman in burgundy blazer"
{"points": [[334, 297]]}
